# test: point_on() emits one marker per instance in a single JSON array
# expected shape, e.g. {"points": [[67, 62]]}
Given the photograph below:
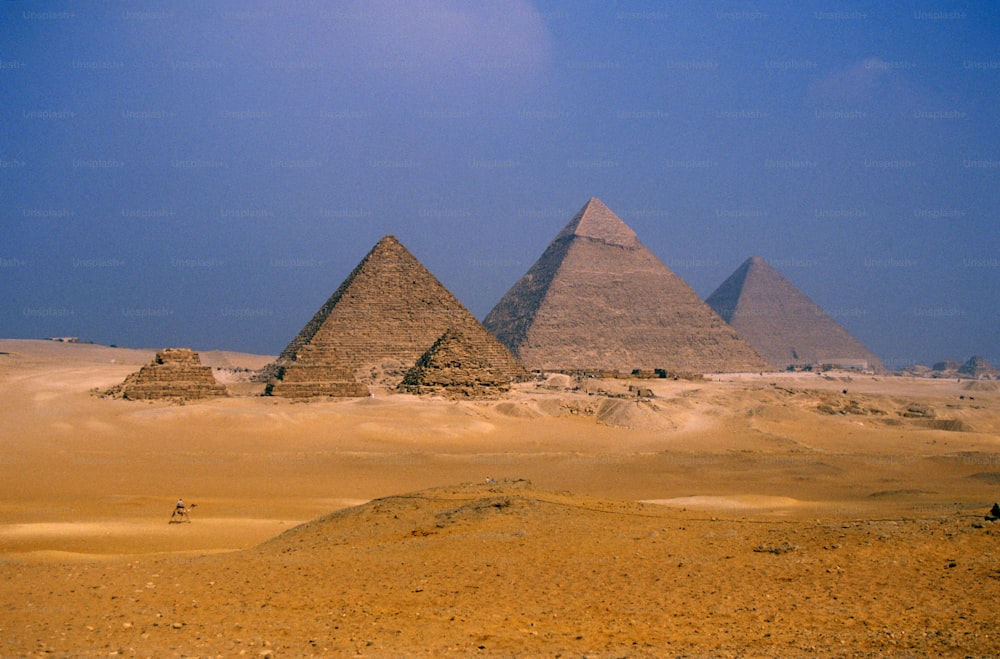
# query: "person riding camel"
{"points": [[182, 511]]}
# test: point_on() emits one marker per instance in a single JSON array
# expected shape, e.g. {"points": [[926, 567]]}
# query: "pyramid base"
{"points": [[185, 391], [316, 390], [313, 380], [457, 391]]}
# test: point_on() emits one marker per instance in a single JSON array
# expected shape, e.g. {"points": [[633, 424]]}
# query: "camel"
{"points": [[182, 512]]}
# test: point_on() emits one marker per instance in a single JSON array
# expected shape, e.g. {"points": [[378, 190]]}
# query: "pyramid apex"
{"points": [[755, 262], [388, 239], [598, 222], [388, 246]]}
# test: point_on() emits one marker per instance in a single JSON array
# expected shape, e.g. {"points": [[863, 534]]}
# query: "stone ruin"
{"points": [[460, 366], [174, 374]]}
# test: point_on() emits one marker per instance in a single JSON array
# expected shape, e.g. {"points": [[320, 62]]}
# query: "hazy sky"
{"points": [[205, 174]]}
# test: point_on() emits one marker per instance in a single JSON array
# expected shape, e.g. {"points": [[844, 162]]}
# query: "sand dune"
{"points": [[505, 569], [746, 514]]}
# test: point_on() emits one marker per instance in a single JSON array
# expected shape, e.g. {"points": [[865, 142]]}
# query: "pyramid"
{"points": [[175, 373], [314, 372], [456, 366], [598, 300], [978, 367], [786, 327], [387, 313]]}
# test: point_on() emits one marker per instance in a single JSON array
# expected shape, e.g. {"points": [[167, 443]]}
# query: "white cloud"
{"points": [[854, 83]]}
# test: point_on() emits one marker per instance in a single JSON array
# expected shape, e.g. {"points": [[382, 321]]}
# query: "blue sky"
{"points": [[205, 174]]}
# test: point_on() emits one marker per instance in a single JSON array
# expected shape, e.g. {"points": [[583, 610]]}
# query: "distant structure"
{"points": [[978, 367], [175, 373], [383, 318], [787, 328], [946, 365], [599, 300], [975, 368]]}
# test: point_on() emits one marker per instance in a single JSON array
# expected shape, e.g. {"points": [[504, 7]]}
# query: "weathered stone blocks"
{"points": [[175, 373]]}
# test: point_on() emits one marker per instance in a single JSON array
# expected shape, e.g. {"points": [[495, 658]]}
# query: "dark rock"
{"points": [[915, 411]]}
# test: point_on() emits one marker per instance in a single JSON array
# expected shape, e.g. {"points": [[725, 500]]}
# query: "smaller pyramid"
{"points": [[786, 327], [315, 373], [175, 373], [456, 366]]}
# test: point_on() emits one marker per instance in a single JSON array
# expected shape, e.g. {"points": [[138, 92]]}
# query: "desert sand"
{"points": [[740, 515]]}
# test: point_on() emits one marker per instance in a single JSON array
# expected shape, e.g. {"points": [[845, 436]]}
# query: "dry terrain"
{"points": [[741, 515]]}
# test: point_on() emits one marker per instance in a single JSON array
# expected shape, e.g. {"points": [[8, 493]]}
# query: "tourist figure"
{"points": [[181, 511]]}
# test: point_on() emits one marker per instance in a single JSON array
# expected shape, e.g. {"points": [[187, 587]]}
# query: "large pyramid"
{"points": [[785, 326], [598, 299], [387, 313]]}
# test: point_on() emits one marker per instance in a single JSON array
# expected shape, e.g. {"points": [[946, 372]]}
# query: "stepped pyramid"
{"points": [[387, 313], [598, 299], [315, 371], [456, 366], [785, 326], [175, 373]]}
